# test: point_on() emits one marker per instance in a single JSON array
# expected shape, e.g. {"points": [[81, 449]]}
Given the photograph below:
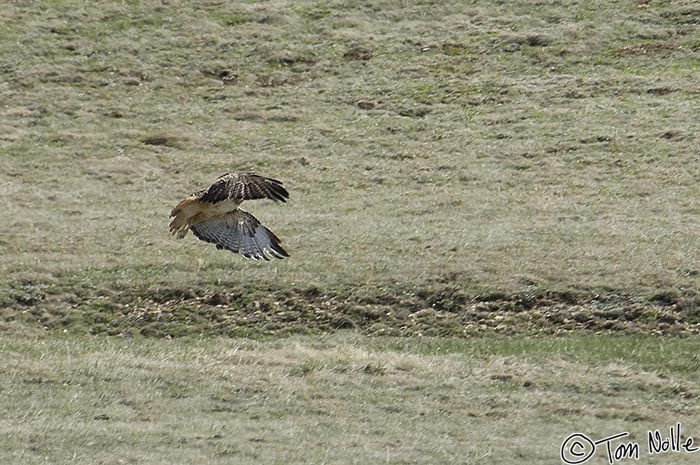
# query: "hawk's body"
{"points": [[212, 215]]}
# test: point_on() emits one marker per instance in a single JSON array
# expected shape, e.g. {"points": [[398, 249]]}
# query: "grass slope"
{"points": [[454, 155], [342, 399]]}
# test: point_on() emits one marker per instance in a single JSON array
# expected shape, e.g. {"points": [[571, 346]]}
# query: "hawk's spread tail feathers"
{"points": [[239, 231]]}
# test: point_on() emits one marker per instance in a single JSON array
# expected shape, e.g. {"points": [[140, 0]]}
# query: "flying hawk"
{"points": [[212, 215]]}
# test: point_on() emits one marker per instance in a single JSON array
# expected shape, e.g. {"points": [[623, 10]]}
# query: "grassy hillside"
{"points": [[340, 400], [475, 176], [460, 159]]}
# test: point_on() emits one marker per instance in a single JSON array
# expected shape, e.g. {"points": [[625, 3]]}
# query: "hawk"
{"points": [[212, 215]]}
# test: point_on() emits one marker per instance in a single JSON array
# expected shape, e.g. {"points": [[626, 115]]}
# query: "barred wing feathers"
{"points": [[239, 231]]}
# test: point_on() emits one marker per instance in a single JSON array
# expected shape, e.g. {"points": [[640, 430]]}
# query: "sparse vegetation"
{"points": [[467, 147], [336, 398], [461, 173]]}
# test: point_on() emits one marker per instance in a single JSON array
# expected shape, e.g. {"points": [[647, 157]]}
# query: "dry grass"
{"points": [[456, 168], [340, 399], [534, 148]]}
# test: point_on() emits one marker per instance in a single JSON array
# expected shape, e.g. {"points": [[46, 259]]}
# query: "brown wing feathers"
{"points": [[244, 186]]}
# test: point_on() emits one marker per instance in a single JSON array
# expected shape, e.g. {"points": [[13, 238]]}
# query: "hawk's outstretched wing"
{"points": [[243, 186], [239, 231]]}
